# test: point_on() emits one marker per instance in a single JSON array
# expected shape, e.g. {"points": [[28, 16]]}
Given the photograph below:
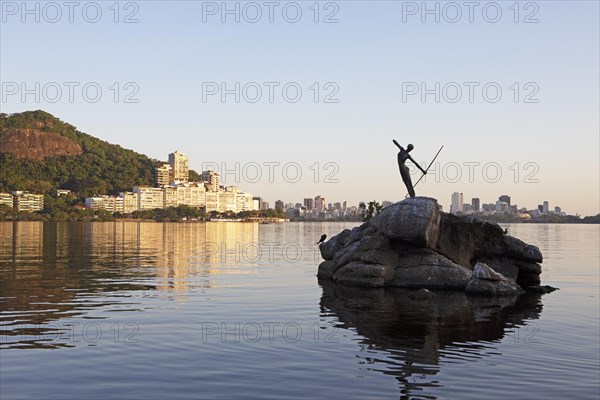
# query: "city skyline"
{"points": [[365, 79]]}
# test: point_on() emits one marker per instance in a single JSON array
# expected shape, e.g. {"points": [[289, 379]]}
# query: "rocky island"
{"points": [[412, 244]]}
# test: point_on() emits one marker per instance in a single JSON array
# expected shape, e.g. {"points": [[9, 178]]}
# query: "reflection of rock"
{"points": [[414, 245], [417, 334]]}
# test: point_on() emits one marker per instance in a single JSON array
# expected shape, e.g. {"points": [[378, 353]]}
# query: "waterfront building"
{"points": [[211, 201], [112, 204], [243, 202], [7, 199], [25, 201], [170, 198], [149, 198], [130, 201], [190, 194]]}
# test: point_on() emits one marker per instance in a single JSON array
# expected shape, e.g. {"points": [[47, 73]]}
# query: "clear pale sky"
{"points": [[372, 57]]}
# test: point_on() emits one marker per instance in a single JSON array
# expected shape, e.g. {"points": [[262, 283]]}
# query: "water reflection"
{"points": [[55, 271], [418, 335]]}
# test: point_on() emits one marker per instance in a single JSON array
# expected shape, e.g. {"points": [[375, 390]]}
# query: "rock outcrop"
{"points": [[36, 144], [412, 244]]}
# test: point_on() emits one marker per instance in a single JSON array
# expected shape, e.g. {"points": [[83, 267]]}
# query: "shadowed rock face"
{"points": [[412, 244], [416, 332], [37, 145]]}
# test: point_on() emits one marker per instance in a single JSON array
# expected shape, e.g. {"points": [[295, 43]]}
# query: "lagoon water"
{"points": [[233, 310]]}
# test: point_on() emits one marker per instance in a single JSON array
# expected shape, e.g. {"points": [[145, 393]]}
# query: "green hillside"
{"points": [[101, 168]]}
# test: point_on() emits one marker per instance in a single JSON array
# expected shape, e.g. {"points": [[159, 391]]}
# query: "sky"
{"points": [[289, 100]]}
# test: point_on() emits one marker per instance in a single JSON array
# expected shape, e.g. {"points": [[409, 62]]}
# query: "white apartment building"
{"points": [[7, 199], [149, 198], [25, 201], [191, 194], [179, 166], [111, 204], [163, 174]]}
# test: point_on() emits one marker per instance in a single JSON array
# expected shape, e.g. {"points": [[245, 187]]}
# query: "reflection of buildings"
{"points": [[49, 271], [23, 201], [417, 334]]}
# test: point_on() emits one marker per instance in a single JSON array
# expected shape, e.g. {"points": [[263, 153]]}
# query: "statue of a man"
{"points": [[404, 155]]}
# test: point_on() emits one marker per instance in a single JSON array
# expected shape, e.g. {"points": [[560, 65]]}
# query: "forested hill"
{"points": [[40, 153]]}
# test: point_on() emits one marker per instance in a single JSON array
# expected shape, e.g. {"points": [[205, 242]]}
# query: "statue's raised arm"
{"points": [[397, 144]]}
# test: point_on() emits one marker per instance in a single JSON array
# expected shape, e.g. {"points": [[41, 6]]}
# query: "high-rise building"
{"points": [[179, 167], [505, 198], [557, 210], [501, 206], [162, 175], [309, 203], [546, 208], [212, 179], [320, 203], [258, 203], [475, 204], [457, 203], [279, 206]]}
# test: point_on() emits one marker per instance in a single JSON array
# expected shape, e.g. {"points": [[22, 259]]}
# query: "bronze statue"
{"points": [[404, 155]]}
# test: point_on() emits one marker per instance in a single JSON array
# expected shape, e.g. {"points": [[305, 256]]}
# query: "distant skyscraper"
{"points": [[457, 202], [309, 203], [475, 204], [540, 208], [258, 203], [505, 198], [279, 205], [501, 206], [545, 208], [320, 203], [179, 166]]}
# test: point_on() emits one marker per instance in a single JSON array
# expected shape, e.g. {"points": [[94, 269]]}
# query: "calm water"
{"points": [[230, 310]]}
